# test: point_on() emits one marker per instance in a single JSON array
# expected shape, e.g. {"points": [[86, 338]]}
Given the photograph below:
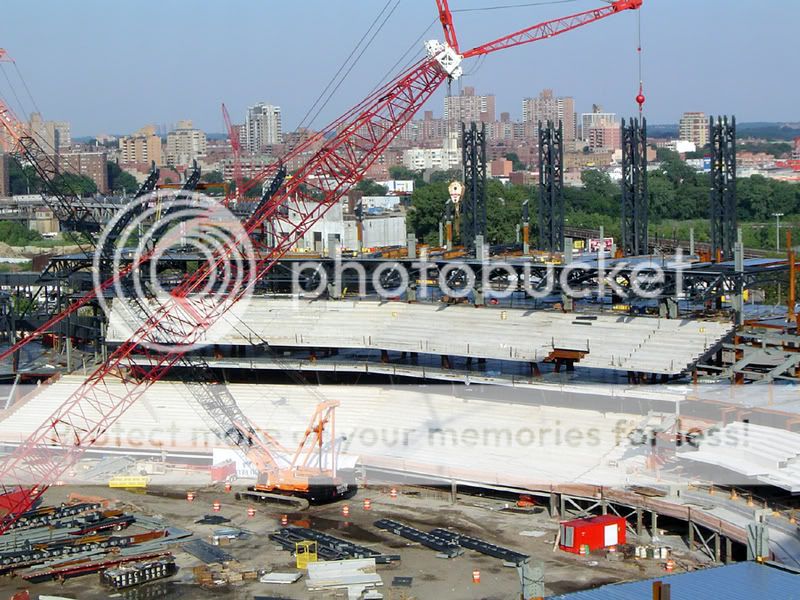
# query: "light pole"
{"points": [[777, 230]]}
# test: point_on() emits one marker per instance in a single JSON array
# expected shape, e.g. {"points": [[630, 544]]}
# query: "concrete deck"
{"points": [[613, 342]]}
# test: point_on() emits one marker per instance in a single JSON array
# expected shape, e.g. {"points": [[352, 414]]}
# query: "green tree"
{"points": [[503, 211], [119, 180], [212, 177], [16, 234], [404, 173], [516, 163], [368, 187], [23, 180], [73, 184], [427, 208], [446, 176]]}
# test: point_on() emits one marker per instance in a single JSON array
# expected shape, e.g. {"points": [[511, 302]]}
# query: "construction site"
{"points": [[194, 408]]}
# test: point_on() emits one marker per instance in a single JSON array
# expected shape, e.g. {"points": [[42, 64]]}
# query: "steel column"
{"points": [[722, 136], [551, 187], [473, 206], [635, 198]]}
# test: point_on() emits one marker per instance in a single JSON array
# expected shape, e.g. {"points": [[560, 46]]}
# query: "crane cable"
{"points": [[640, 97], [507, 6], [344, 67]]}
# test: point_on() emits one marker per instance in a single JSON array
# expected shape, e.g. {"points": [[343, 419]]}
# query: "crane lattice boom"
{"points": [[350, 145]]}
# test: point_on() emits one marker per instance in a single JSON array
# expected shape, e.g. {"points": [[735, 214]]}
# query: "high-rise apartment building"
{"points": [[597, 118], [93, 165], [468, 107], [796, 151], [185, 144], [604, 138], [601, 130], [694, 128], [141, 148], [262, 127], [50, 135], [548, 107]]}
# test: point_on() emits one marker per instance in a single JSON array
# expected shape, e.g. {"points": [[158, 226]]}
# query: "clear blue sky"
{"points": [[115, 66]]}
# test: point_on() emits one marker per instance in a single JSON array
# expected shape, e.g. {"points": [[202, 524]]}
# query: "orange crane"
{"points": [[309, 473]]}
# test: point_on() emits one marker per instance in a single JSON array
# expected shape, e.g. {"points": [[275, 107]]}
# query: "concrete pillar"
{"points": [[333, 246], [567, 250], [69, 351], [453, 492], [639, 522], [441, 234], [411, 245], [691, 536], [653, 524], [481, 251], [737, 300], [563, 506], [717, 549], [526, 245], [553, 505], [691, 241], [103, 345]]}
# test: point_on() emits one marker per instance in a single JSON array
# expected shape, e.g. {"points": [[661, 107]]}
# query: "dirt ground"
{"points": [[433, 577]]}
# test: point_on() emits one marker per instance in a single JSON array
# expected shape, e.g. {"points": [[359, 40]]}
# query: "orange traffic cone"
{"points": [[476, 576]]}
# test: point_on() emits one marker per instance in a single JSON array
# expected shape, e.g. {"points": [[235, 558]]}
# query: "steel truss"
{"points": [[473, 206], [551, 187], [634, 188], [722, 197]]}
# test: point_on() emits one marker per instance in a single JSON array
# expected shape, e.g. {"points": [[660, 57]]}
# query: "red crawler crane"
{"points": [[352, 144]]}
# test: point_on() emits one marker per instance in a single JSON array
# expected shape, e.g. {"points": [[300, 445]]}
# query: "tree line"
{"points": [[677, 194]]}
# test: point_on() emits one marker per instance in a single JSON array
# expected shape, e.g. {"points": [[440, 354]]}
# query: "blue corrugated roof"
{"points": [[739, 581]]}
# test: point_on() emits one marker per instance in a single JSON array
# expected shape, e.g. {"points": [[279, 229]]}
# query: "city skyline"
{"points": [[166, 81]]}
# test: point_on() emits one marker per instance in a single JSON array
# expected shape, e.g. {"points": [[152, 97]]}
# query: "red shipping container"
{"points": [[591, 534], [224, 471]]}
